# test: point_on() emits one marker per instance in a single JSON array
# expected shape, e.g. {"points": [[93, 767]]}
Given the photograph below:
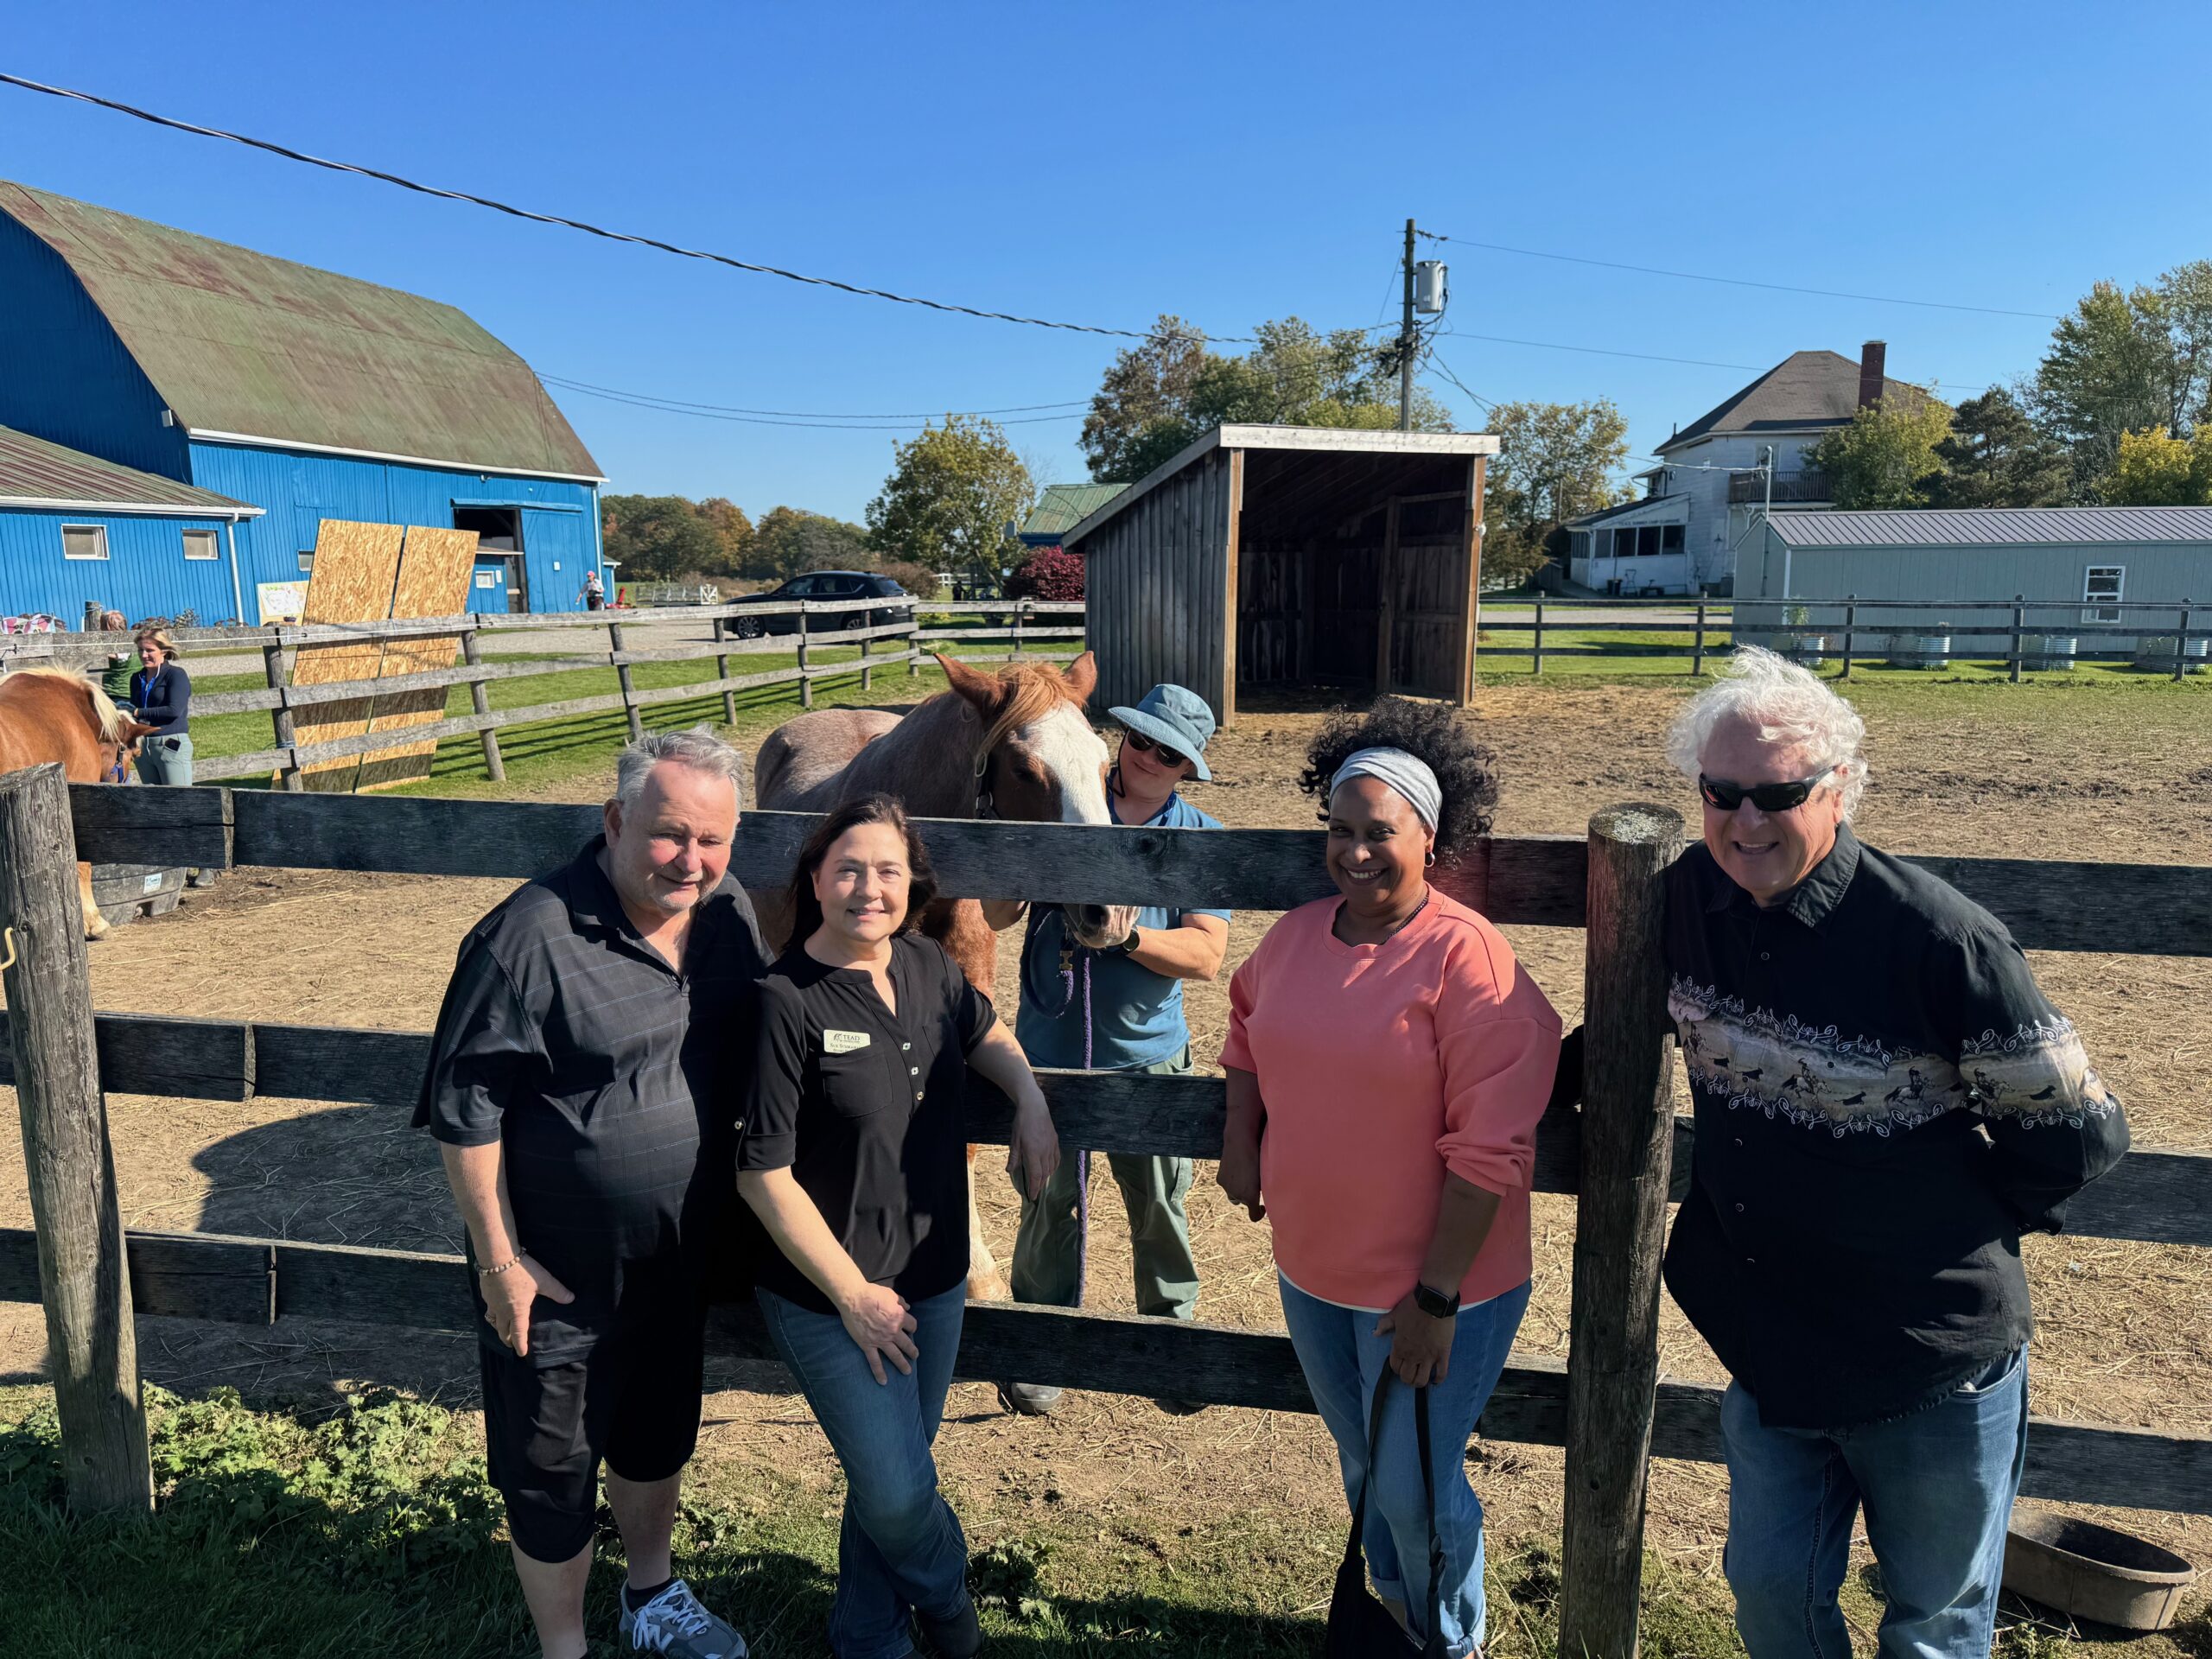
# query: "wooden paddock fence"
{"points": [[1623, 1151], [2013, 638], [1028, 627]]}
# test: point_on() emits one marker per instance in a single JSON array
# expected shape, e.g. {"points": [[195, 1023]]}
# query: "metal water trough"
{"points": [[2048, 652], [2094, 1573], [1919, 651]]}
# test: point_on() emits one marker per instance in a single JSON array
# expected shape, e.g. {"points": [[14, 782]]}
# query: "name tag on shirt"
{"points": [[842, 1042]]}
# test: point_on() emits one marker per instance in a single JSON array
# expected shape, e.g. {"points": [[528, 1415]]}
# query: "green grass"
{"points": [[540, 753], [371, 1529]]}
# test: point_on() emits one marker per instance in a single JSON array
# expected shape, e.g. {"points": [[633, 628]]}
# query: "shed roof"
{"points": [[1318, 440], [36, 474], [1805, 391], [1996, 527], [1060, 507], [240, 343]]}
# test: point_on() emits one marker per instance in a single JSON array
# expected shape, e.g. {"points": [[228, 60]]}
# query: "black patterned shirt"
{"points": [[1885, 1103]]}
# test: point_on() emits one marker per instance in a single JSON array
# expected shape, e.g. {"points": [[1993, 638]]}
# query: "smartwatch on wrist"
{"points": [[1436, 1303], [1128, 945]]}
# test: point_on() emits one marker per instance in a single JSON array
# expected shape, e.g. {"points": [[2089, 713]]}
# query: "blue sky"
{"points": [[1103, 162]]}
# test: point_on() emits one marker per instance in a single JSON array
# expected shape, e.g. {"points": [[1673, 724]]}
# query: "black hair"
{"points": [[921, 886], [1466, 769]]}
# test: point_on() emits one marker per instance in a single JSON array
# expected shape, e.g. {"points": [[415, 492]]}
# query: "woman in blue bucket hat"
{"points": [[1103, 991]]}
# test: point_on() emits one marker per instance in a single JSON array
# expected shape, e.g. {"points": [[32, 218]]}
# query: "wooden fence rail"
{"points": [[1611, 1423], [1752, 620]]}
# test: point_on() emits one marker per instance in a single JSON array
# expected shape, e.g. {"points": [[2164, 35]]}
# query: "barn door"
{"points": [[1427, 589]]}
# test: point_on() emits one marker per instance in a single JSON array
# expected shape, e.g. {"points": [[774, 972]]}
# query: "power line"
{"points": [[734, 263], [1741, 282], [804, 413]]}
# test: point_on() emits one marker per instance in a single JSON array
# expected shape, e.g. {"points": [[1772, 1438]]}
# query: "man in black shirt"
{"points": [[1885, 1103], [577, 1075]]}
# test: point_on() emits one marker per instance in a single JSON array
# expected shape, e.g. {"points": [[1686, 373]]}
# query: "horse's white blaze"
{"points": [[1075, 756]]}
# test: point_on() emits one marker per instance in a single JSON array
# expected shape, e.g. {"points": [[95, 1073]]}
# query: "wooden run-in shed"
{"points": [[1266, 556]]}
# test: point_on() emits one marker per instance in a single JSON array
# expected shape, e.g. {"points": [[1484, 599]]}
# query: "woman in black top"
{"points": [[161, 692], [855, 1158]]}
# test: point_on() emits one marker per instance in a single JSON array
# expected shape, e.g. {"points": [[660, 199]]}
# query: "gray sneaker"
{"points": [[674, 1622]]}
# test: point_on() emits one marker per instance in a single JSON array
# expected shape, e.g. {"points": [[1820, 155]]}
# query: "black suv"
{"points": [[828, 584]]}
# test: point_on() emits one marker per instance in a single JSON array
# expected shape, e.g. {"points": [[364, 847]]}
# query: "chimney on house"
{"points": [[1873, 358]]}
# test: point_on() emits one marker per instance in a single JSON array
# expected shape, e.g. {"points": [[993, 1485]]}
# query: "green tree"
{"points": [[1997, 457], [951, 494], [731, 528], [2156, 469], [1158, 397], [1555, 461], [2127, 362], [1886, 457], [659, 538], [789, 540]]}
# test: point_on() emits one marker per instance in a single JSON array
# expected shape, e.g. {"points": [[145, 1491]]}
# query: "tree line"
{"points": [[949, 504]]}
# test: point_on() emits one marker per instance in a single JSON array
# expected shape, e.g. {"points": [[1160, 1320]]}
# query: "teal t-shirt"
{"points": [[1136, 1015]]}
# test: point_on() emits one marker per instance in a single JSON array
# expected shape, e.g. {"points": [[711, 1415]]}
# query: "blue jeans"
{"points": [[1343, 1359], [1938, 1487], [900, 1547]]}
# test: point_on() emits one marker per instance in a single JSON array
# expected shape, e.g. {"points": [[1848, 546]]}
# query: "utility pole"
{"points": [[1405, 343]]}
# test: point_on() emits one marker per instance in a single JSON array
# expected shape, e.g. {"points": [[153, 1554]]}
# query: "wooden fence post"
{"points": [[1021, 610], [495, 767], [280, 717], [867, 674], [2019, 625], [721, 672], [84, 1277], [1697, 647], [1627, 1126], [622, 678], [2181, 645], [1850, 616], [1536, 650], [914, 642], [805, 674]]}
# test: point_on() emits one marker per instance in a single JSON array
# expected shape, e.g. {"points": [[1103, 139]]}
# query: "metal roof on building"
{"points": [[1679, 503], [1995, 527], [1061, 507], [242, 344], [35, 474], [1803, 392]]}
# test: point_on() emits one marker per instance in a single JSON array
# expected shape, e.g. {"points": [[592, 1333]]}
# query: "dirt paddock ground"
{"points": [[2125, 1329]]}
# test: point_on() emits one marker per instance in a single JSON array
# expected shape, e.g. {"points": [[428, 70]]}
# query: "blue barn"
{"points": [[289, 395]]}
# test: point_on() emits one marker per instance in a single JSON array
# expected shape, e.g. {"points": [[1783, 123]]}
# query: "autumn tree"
{"points": [[1886, 457], [951, 496], [1555, 461], [659, 538], [2127, 362], [789, 540], [732, 529], [1159, 396], [2156, 469]]}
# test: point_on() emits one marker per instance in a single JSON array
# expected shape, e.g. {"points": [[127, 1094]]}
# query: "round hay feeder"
{"points": [[1919, 651], [2094, 1573]]}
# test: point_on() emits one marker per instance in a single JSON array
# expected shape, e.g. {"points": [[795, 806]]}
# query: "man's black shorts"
{"points": [[631, 1398]]}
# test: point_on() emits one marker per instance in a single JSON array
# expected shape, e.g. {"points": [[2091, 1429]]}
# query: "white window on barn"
{"points": [[84, 541], [2101, 592], [487, 579], [306, 563], [199, 543]]}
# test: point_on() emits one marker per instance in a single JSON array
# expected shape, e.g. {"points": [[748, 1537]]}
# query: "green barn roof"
{"points": [[1063, 506], [36, 474], [242, 344]]}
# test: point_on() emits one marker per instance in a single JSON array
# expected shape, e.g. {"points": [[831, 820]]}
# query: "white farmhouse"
{"points": [[1707, 494]]}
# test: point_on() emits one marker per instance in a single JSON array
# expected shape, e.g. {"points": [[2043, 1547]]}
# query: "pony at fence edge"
{"points": [[1012, 745], [58, 715]]}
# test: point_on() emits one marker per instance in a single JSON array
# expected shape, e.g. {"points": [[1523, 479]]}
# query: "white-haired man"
{"points": [[573, 1085], [1885, 1102]]}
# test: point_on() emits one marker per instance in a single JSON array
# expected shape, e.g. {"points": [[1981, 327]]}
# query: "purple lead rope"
{"points": [[1083, 1156]]}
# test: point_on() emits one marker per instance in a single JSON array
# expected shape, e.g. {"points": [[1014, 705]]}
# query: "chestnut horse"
{"points": [[1012, 745], [52, 714]]}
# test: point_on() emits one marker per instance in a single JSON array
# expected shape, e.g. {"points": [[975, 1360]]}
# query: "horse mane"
{"points": [[1038, 689], [106, 715]]}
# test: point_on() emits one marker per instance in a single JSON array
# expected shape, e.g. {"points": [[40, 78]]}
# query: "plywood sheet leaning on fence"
{"points": [[434, 567], [355, 568]]}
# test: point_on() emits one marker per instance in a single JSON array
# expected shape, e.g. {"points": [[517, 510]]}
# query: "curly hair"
{"points": [[1466, 770]]}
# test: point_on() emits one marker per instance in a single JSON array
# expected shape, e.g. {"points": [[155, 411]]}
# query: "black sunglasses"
{"points": [[1144, 745], [1767, 798]]}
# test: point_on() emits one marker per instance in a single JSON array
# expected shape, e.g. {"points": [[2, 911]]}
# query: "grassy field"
{"points": [[374, 1531]]}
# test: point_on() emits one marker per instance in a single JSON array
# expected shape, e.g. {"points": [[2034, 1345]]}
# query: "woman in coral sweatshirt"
{"points": [[1388, 1062]]}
